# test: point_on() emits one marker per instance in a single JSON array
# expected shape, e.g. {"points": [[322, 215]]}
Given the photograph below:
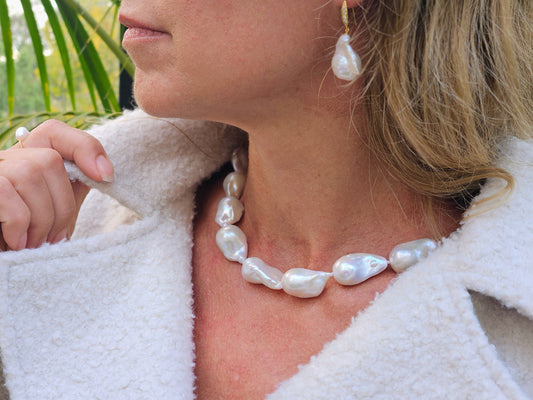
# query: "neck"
{"points": [[314, 193]]}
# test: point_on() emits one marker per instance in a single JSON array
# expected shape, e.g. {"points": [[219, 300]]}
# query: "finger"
{"points": [[27, 179], [59, 188], [14, 216], [75, 145]]}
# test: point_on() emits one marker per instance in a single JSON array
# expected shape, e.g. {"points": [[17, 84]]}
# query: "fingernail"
{"points": [[60, 236], [23, 241], [105, 168]]}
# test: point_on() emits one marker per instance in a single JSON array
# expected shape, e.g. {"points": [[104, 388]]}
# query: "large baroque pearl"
{"points": [[234, 184], [407, 254], [229, 211], [304, 283], [346, 63], [255, 270], [232, 242], [355, 268]]}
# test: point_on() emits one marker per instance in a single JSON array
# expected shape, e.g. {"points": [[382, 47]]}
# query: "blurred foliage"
{"points": [[77, 119], [59, 59]]}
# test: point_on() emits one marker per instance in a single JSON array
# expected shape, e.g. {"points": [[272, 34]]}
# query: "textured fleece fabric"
{"points": [[109, 316]]}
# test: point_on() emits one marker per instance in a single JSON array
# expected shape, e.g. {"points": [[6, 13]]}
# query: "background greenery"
{"points": [[60, 59]]}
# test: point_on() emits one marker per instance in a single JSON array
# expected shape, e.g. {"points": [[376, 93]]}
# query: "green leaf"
{"points": [[89, 55], [62, 47], [115, 47], [5, 24], [39, 51], [76, 119], [113, 25], [71, 28]]}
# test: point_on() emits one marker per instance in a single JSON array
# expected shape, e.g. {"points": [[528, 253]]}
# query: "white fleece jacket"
{"points": [[109, 316]]}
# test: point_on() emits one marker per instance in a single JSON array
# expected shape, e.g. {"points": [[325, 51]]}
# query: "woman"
{"points": [[350, 159]]}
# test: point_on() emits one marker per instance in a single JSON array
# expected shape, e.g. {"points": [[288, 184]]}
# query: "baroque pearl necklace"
{"points": [[348, 270]]}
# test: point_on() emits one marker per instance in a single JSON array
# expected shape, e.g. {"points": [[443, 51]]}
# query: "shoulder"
{"points": [[457, 325], [494, 262]]}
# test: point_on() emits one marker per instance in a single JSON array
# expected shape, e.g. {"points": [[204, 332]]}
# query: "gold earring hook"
{"points": [[344, 14]]}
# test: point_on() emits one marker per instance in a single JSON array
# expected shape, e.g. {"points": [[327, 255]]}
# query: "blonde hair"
{"points": [[445, 83]]}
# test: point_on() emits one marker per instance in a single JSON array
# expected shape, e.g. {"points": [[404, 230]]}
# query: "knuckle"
{"points": [[28, 173], [91, 144], [49, 124], [50, 158]]}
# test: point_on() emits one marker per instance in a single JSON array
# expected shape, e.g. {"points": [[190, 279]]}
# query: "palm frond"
{"points": [[81, 29], [39, 51], [62, 48], [7, 38], [90, 56], [108, 40], [74, 18], [77, 119]]}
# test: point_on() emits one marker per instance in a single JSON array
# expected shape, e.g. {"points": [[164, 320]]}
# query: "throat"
{"points": [[350, 269]]}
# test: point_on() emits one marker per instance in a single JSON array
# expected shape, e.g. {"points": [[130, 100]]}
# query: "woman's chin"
{"points": [[152, 109], [153, 100], [175, 99]]}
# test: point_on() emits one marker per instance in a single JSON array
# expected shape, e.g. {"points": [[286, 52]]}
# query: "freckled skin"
{"points": [[225, 58], [313, 192], [250, 338]]}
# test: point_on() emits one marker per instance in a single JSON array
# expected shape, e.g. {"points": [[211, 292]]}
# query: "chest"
{"points": [[248, 338]]}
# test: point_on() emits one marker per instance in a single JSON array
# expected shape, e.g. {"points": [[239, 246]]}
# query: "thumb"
{"points": [[74, 145]]}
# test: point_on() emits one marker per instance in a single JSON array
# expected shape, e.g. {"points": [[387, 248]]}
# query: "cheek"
{"points": [[199, 74]]}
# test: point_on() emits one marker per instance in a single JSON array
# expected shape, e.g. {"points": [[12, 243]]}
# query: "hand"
{"points": [[38, 203]]}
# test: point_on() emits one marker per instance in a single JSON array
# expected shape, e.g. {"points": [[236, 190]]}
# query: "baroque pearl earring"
{"points": [[346, 63]]}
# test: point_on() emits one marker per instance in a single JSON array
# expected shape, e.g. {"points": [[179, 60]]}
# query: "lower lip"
{"points": [[142, 34]]}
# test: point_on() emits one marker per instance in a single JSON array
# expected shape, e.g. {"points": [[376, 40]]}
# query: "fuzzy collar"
{"points": [[75, 321]]}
